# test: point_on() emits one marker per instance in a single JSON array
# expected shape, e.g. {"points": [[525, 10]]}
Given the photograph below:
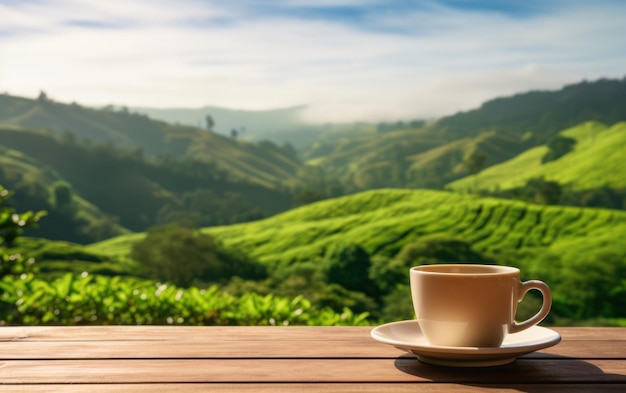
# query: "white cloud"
{"points": [[429, 62]]}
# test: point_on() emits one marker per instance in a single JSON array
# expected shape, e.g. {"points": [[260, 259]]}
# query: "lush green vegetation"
{"points": [[522, 164], [596, 160], [431, 155], [150, 173], [261, 163], [537, 116], [363, 245], [93, 192], [96, 299], [102, 300]]}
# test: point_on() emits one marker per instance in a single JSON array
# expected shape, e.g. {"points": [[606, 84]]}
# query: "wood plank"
{"points": [[314, 387], [196, 350], [160, 333], [238, 333], [259, 342], [277, 348], [305, 370], [181, 333], [591, 333]]}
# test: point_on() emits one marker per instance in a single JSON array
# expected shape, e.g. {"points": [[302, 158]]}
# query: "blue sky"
{"points": [[346, 59]]}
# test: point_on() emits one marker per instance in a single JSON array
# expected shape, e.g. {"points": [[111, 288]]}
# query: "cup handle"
{"points": [[523, 288]]}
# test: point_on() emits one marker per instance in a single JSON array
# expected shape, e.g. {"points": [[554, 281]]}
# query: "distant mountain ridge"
{"points": [[462, 144], [264, 164], [257, 122], [463, 150], [597, 160], [539, 115]]}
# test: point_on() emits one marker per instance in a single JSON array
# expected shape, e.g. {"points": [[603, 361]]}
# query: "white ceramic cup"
{"points": [[468, 305]]}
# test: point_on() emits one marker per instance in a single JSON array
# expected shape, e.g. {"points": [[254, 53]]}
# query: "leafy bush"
{"points": [[100, 300], [348, 265], [558, 146], [309, 279], [184, 256], [13, 224], [585, 285]]}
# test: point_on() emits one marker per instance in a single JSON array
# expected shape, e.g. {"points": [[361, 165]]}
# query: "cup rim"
{"points": [[464, 269]]}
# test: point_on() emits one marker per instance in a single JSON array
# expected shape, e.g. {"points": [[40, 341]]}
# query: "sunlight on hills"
{"points": [[596, 160]]}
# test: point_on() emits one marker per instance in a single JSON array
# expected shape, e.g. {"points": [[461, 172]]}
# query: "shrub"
{"points": [[184, 256]]}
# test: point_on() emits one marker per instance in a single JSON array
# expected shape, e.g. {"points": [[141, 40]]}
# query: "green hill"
{"points": [[596, 160], [108, 189], [102, 171], [35, 185], [263, 163], [383, 221], [437, 153], [539, 115], [399, 228]]}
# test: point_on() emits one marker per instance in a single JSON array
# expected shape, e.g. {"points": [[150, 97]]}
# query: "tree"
{"points": [[43, 97], [185, 255], [348, 265], [62, 194], [558, 147], [177, 254], [12, 225], [209, 123], [544, 192], [475, 161]]}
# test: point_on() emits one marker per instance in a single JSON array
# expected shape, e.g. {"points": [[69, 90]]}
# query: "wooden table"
{"points": [[285, 359]]}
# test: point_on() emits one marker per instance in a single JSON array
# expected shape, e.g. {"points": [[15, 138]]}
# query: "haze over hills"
{"points": [[239, 198], [596, 160], [384, 232], [248, 123], [265, 164], [464, 143], [171, 169]]}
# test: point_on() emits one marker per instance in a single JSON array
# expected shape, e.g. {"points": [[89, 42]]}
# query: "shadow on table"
{"points": [[537, 374]]}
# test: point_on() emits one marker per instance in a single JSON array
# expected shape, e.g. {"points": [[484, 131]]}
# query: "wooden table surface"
{"points": [[285, 359]]}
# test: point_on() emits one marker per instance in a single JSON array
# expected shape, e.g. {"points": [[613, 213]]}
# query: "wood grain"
{"points": [[308, 388], [303, 370], [281, 359]]}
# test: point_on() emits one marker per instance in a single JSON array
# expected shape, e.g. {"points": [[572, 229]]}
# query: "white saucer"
{"points": [[406, 335]]}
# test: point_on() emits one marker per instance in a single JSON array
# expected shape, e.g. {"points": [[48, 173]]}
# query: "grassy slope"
{"points": [[420, 157], [358, 148], [383, 221], [597, 160], [258, 163], [500, 129], [15, 163]]}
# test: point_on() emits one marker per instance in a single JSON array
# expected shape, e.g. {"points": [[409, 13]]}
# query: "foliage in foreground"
{"points": [[99, 300]]}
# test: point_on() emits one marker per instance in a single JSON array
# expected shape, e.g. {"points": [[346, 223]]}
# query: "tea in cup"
{"points": [[468, 305]]}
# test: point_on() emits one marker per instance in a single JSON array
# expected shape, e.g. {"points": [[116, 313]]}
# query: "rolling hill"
{"points": [[383, 221], [396, 229], [459, 145], [596, 160], [111, 171], [502, 142], [262, 163], [111, 190]]}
